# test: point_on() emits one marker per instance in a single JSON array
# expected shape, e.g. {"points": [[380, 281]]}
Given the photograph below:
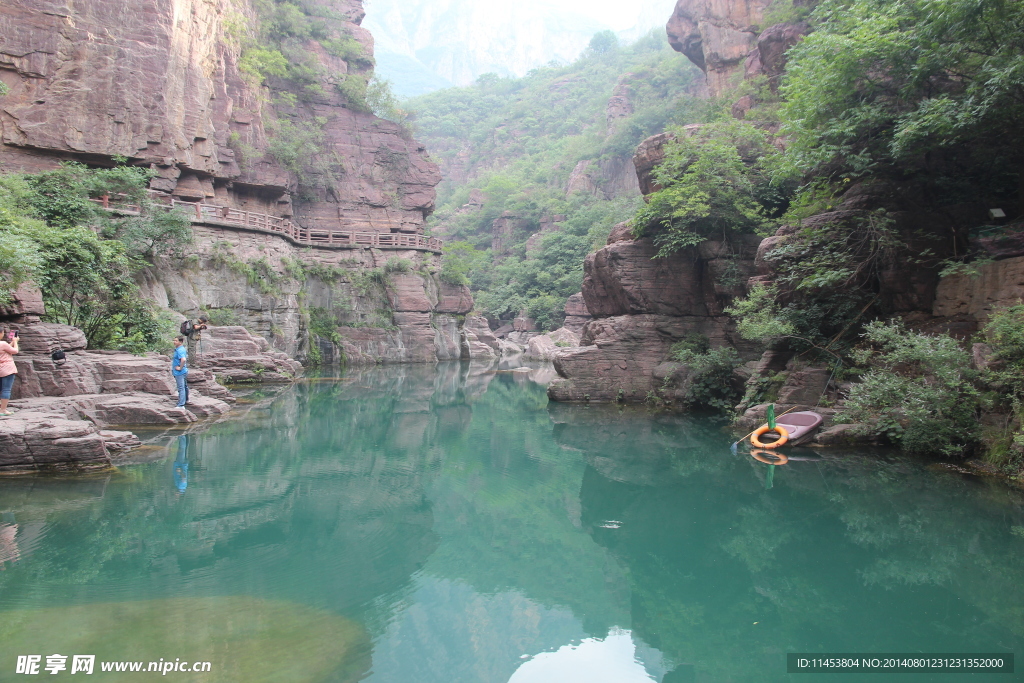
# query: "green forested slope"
{"points": [[517, 141]]}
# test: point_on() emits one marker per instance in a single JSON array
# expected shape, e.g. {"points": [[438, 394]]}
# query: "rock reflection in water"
{"points": [[466, 525]]}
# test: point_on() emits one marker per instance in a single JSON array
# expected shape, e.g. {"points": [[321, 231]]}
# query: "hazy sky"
{"points": [[619, 15], [422, 45]]}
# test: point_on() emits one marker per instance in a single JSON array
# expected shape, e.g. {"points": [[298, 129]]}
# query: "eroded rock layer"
{"points": [[641, 306], [161, 85]]}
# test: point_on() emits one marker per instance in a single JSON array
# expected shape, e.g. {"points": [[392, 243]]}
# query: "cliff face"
{"points": [[161, 85], [641, 306], [164, 84], [716, 35]]}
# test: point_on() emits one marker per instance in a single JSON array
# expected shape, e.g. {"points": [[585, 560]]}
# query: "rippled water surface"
{"points": [[422, 525]]}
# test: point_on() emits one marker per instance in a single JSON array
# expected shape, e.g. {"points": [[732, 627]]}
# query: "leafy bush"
{"points": [[917, 392], [258, 63], [223, 317], [458, 259], [398, 265], [826, 280], [298, 145], [55, 236], [927, 88], [710, 382], [324, 323], [382, 103], [710, 185]]}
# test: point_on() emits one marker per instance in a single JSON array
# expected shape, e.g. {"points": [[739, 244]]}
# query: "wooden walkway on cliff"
{"points": [[212, 214]]}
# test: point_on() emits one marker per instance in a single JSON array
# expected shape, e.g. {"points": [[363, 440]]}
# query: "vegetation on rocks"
{"points": [[84, 257], [518, 140], [709, 378], [713, 182], [918, 391]]}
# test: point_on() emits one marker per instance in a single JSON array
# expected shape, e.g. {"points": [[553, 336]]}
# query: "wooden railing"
{"points": [[261, 222]]}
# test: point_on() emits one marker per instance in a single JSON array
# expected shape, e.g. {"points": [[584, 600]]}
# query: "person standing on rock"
{"points": [[8, 370], [193, 331], [179, 368]]}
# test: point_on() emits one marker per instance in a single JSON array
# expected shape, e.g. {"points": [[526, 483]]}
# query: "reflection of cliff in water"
{"points": [[317, 496], [855, 552]]}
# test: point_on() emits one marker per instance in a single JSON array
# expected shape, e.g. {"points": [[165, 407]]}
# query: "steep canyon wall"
{"points": [[166, 86], [642, 305]]}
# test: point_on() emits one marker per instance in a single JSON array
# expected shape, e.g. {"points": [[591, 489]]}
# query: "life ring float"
{"points": [[779, 429], [769, 457]]}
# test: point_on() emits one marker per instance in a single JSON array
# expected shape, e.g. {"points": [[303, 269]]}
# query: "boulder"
{"points": [[624, 278], [618, 355], [134, 409], [649, 154], [454, 299], [26, 302], [234, 354], [117, 441], [772, 45], [477, 339], [716, 36], [546, 346], [524, 323], [805, 386]]}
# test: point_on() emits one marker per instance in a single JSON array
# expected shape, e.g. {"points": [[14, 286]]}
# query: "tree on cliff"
{"points": [[926, 89], [83, 258], [710, 183]]}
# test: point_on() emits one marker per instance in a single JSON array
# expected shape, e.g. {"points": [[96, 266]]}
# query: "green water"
{"points": [[426, 525]]}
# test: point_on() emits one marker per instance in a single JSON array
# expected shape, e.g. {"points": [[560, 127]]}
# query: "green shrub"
{"points": [[54, 235], [709, 186], [324, 323], [918, 391], [710, 382], [398, 265], [223, 317], [458, 259], [257, 63]]}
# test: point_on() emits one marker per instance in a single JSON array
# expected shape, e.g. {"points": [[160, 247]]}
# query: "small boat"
{"points": [[800, 426]]}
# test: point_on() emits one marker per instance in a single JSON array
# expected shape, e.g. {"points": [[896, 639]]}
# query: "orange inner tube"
{"points": [[783, 436], [769, 457]]}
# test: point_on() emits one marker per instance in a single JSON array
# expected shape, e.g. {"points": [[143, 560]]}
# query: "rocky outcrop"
{"points": [[503, 228], [546, 346], [61, 410], [32, 441], [649, 154], [162, 86], [264, 283], [716, 35], [641, 306], [478, 341], [729, 42], [233, 354], [975, 296]]}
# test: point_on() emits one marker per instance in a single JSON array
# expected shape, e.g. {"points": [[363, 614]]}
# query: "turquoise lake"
{"points": [[449, 525]]}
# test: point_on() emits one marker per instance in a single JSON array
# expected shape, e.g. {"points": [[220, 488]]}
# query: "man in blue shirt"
{"points": [[179, 368]]}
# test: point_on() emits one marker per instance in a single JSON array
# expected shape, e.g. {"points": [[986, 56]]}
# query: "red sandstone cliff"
{"points": [[160, 84]]}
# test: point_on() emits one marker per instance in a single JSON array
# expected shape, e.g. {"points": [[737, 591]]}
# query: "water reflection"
{"points": [[473, 532], [181, 464]]}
